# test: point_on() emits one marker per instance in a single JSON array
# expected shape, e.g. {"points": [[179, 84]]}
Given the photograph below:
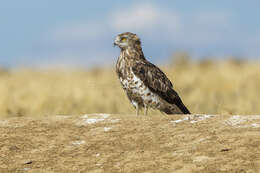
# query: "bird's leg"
{"points": [[137, 110], [146, 110]]}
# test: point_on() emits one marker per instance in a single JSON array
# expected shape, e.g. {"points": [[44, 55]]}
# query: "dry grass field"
{"points": [[223, 87]]}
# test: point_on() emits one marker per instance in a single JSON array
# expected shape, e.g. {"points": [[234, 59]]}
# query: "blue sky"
{"points": [[81, 33]]}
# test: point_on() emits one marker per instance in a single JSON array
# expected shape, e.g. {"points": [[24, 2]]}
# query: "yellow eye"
{"points": [[123, 39]]}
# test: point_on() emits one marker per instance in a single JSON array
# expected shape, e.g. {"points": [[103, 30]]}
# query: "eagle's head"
{"points": [[126, 40]]}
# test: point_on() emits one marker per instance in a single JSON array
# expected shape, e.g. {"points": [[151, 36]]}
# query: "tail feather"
{"points": [[181, 108], [169, 110], [175, 99]]}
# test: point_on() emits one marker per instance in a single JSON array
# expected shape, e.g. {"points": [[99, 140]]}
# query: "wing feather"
{"points": [[158, 83]]}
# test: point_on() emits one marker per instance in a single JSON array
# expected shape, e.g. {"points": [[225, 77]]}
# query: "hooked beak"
{"points": [[117, 40], [115, 44]]}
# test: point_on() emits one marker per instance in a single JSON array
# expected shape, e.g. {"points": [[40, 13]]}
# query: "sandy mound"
{"points": [[128, 143]]}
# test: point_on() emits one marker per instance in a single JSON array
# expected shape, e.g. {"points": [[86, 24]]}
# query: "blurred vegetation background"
{"points": [[57, 58], [207, 86]]}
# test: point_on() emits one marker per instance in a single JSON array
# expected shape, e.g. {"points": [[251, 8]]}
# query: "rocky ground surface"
{"points": [[127, 143]]}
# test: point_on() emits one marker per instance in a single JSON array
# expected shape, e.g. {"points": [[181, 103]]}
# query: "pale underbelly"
{"points": [[139, 94]]}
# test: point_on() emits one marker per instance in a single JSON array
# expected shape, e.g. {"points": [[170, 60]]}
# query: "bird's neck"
{"points": [[133, 53]]}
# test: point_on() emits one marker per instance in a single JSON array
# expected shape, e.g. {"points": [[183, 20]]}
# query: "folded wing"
{"points": [[158, 83]]}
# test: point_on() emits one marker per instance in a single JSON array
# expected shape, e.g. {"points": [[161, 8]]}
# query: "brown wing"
{"points": [[158, 83]]}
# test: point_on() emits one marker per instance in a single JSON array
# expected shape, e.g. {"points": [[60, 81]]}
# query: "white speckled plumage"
{"points": [[139, 89], [145, 84]]}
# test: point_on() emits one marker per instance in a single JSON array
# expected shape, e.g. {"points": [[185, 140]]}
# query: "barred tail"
{"points": [[177, 107]]}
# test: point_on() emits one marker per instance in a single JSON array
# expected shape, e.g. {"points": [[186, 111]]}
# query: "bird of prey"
{"points": [[145, 84]]}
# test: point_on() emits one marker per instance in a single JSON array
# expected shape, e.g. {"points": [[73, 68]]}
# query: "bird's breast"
{"points": [[138, 91]]}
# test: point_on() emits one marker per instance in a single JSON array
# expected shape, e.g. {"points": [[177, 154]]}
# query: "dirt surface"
{"points": [[127, 143]]}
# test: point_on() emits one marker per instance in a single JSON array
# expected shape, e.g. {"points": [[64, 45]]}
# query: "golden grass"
{"points": [[215, 88]]}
